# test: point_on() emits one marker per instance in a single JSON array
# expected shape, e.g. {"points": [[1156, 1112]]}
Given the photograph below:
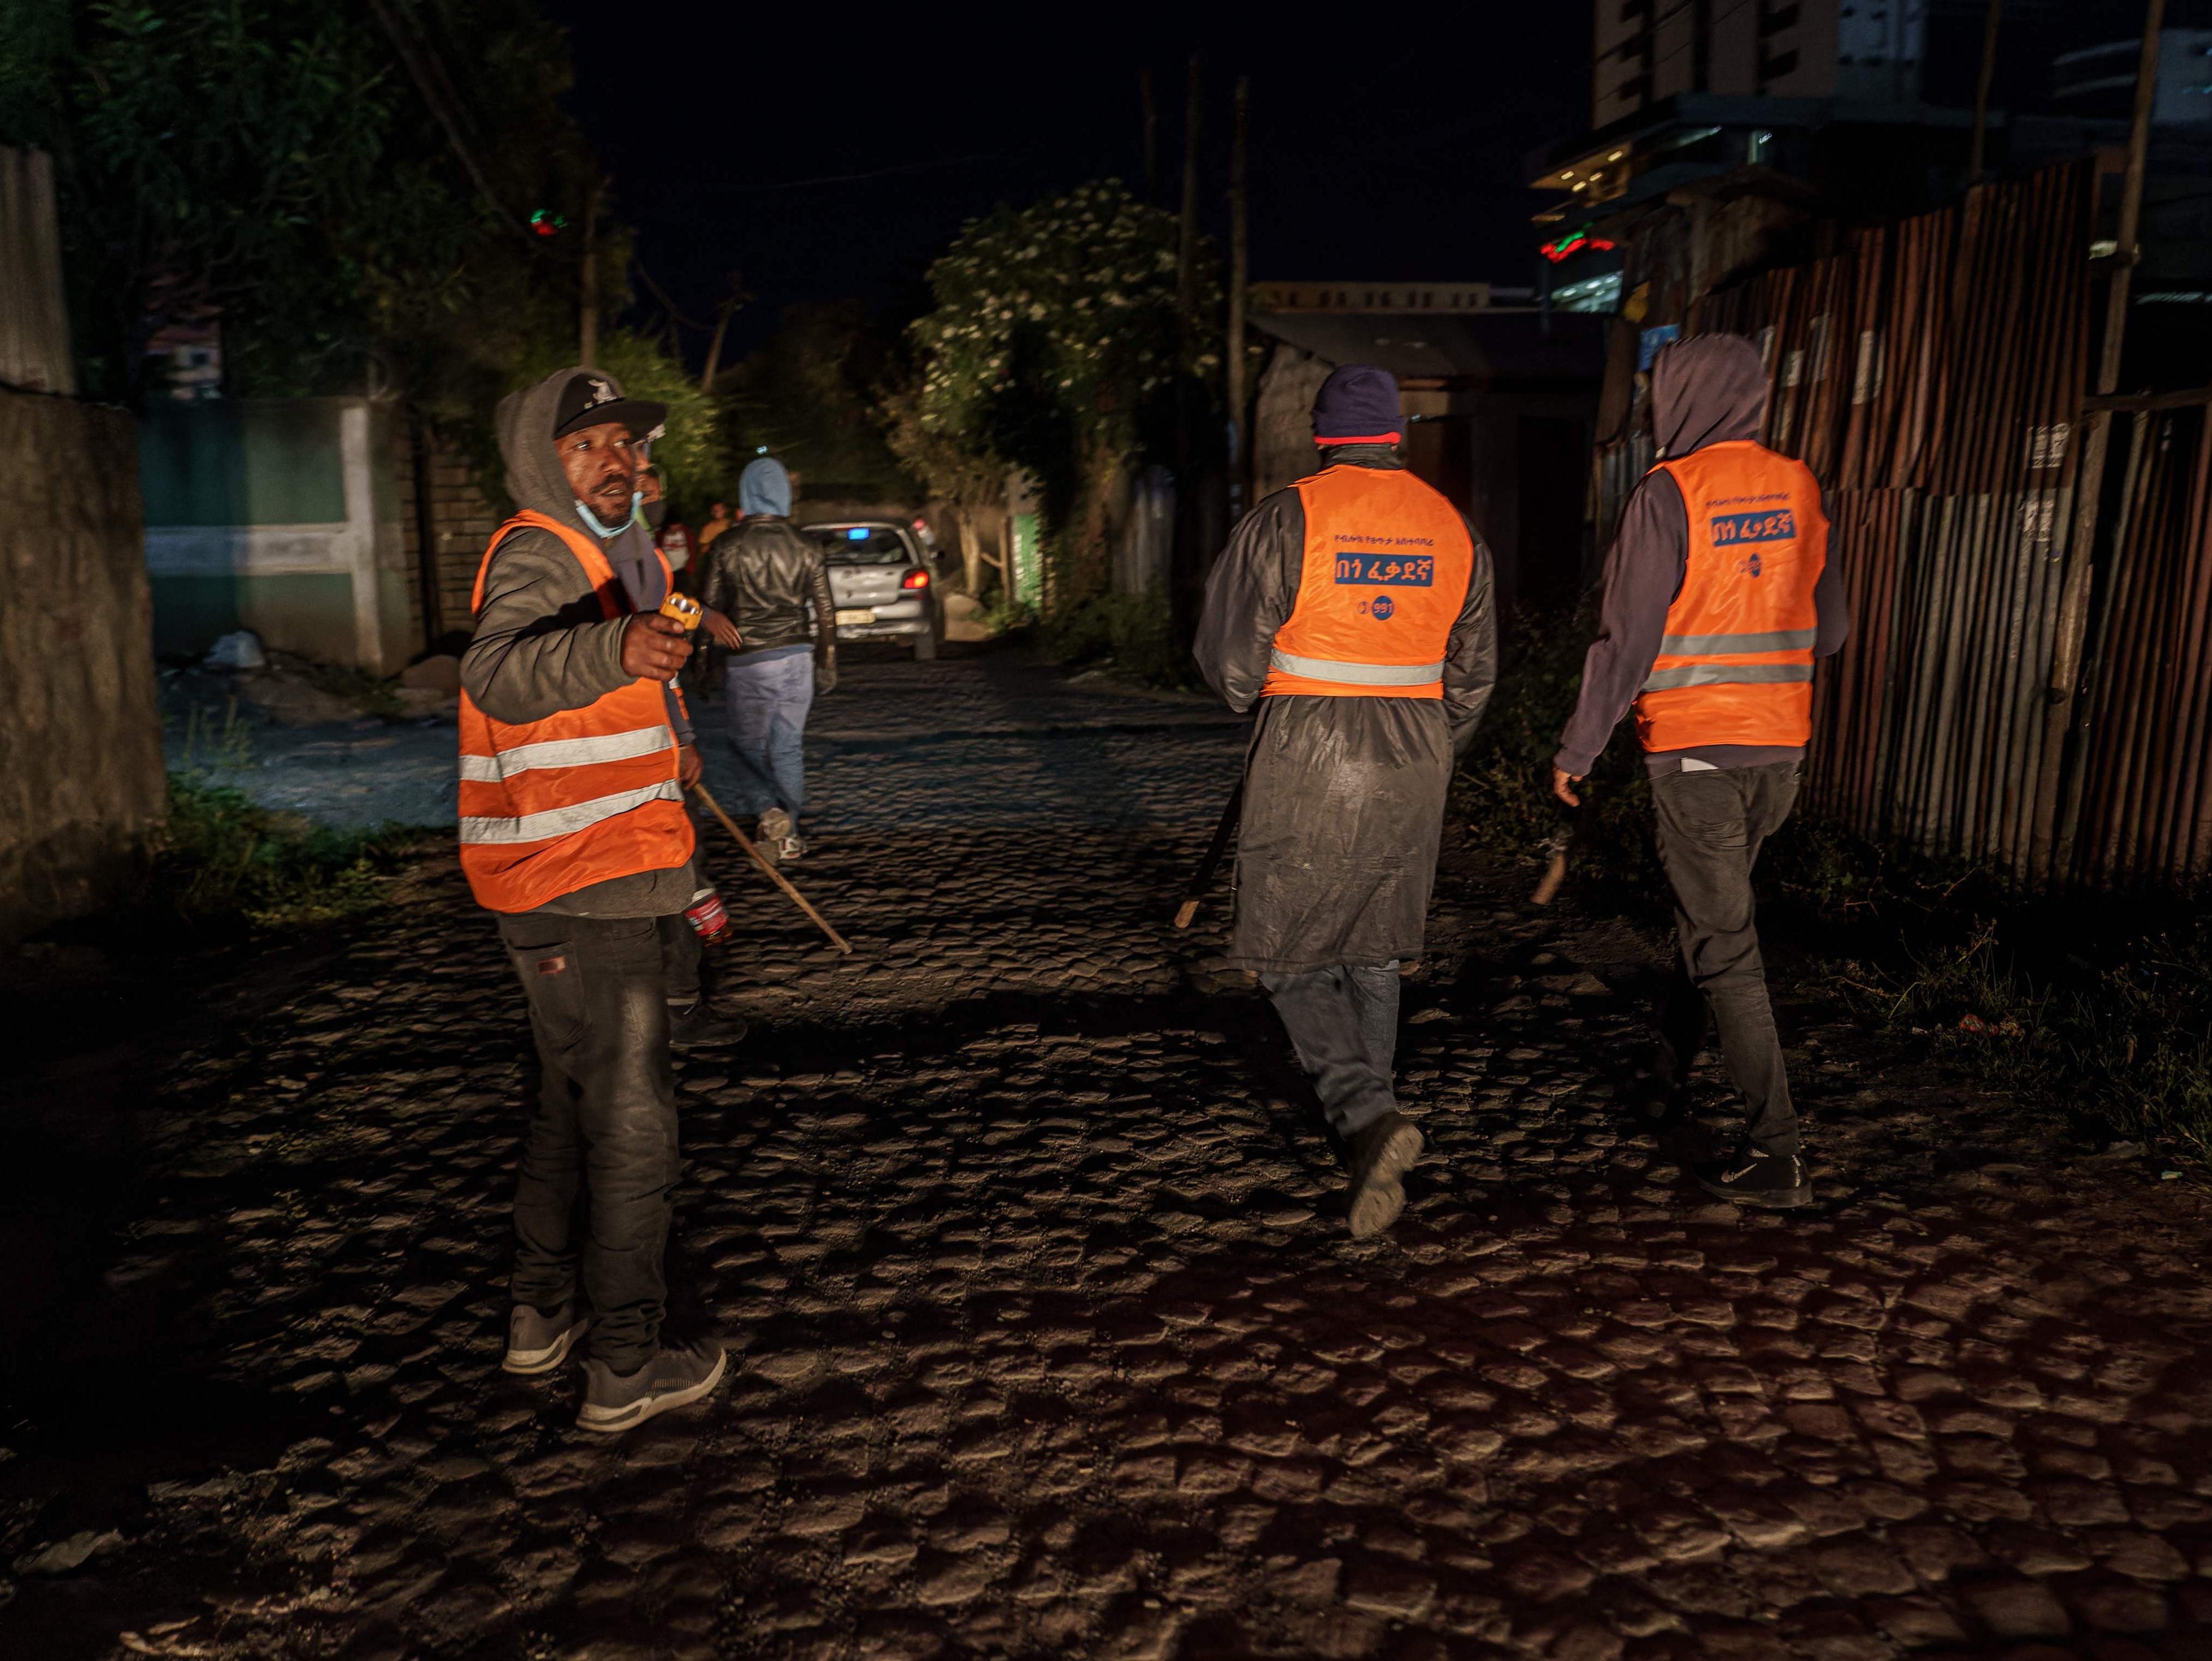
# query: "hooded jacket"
{"points": [[1709, 389], [542, 642], [764, 575]]}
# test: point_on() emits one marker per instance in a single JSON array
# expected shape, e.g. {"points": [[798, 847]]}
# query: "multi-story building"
{"points": [[1864, 109]]}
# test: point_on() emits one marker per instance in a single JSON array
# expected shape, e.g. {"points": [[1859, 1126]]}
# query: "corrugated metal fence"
{"points": [[1932, 373]]}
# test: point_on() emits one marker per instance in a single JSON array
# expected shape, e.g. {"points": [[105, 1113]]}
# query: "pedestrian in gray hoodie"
{"points": [[600, 963], [1718, 596]]}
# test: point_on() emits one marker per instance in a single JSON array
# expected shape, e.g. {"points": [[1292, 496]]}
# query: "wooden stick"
{"points": [[780, 881], [1202, 879]]}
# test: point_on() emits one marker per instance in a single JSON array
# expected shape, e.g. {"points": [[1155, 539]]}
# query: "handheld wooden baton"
{"points": [[1202, 879], [775, 875]]}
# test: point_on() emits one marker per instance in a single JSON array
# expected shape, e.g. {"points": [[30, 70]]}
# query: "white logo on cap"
{"points": [[601, 393]]}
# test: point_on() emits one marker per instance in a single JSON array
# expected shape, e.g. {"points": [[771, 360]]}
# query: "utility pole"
{"points": [[1240, 281], [1151, 136], [1976, 157], [737, 299], [2089, 482], [587, 345]]}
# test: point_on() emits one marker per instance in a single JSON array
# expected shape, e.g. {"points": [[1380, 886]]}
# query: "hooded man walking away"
{"points": [[1354, 609], [763, 578], [1718, 595], [574, 756]]}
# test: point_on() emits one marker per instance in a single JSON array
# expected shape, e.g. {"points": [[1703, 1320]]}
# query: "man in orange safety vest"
{"points": [[1353, 610], [576, 751], [1719, 593]]}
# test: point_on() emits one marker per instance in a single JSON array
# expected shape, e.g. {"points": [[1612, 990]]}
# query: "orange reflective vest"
{"points": [[1735, 665], [1387, 564], [553, 805]]}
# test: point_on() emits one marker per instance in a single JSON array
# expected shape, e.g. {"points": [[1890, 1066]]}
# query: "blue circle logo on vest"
{"points": [[1381, 608]]}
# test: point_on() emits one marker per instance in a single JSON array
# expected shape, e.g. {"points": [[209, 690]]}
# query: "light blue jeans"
{"points": [[770, 695]]}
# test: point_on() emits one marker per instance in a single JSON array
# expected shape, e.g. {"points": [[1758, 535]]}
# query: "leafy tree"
{"points": [[809, 395], [1056, 345], [690, 458], [280, 162]]}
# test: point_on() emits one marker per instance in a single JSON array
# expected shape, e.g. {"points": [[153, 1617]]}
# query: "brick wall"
{"points": [[462, 522]]}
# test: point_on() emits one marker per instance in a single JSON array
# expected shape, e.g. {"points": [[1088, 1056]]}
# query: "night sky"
{"points": [[1388, 151]]}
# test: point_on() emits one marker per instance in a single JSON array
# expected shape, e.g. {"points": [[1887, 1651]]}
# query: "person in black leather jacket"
{"points": [[767, 594]]}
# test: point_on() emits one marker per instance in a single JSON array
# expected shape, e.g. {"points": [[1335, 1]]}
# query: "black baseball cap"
{"points": [[590, 400]]}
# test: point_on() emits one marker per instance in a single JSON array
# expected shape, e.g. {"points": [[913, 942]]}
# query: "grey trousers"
{"points": [[1343, 1022], [1710, 827], [599, 1166]]}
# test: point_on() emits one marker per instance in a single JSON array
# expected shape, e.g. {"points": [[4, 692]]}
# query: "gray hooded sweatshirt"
{"points": [[1709, 389], [542, 643]]}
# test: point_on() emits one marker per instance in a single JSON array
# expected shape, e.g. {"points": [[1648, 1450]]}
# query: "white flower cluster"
{"points": [[1075, 294]]}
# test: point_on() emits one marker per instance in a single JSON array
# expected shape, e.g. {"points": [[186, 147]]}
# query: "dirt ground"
{"points": [[1047, 1337]]}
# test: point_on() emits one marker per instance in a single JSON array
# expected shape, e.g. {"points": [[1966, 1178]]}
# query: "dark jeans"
{"points": [[1343, 1022], [679, 958], [606, 1131], [1711, 826]]}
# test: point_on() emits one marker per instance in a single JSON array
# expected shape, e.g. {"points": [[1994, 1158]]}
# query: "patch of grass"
{"points": [[1005, 615], [1134, 634], [224, 863], [2085, 1004], [212, 743]]}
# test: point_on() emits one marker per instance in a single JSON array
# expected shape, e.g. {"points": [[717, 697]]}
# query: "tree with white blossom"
{"points": [[1056, 347]]}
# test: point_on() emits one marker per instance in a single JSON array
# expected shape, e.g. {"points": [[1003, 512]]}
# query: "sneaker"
{"points": [[772, 826], [791, 848], [538, 1342], [694, 1023], [1754, 1176], [1382, 1153], [673, 1379]]}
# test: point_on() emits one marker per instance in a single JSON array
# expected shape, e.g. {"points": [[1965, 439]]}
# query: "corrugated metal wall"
{"points": [[35, 338], [2138, 799], [1932, 373]]}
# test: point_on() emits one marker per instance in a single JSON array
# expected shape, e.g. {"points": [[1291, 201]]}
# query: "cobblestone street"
{"points": [[1047, 1338]]}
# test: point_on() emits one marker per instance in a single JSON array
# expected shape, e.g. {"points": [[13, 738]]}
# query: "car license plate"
{"points": [[864, 614]]}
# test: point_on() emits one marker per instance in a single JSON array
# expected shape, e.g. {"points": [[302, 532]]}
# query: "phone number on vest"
{"points": [[1780, 526], [1391, 568]]}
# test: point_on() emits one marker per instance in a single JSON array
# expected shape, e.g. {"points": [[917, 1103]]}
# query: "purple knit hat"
{"points": [[1358, 405]]}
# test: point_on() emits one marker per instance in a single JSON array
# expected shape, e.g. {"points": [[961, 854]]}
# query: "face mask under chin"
{"points": [[599, 529]]}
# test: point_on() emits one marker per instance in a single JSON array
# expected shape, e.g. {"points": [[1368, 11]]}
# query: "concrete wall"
{"points": [[280, 516], [81, 774]]}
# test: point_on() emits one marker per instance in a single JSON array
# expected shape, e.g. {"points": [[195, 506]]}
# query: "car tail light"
{"points": [[915, 579]]}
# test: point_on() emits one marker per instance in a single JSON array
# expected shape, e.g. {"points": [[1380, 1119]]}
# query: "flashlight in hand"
{"points": [[683, 609]]}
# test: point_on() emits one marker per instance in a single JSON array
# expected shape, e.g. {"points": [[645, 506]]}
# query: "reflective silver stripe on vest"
{"points": [[567, 752], [1697, 646], [567, 821], [1727, 674], [1357, 674]]}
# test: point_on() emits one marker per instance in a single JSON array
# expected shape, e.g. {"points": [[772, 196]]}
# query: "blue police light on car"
{"points": [[858, 534]]}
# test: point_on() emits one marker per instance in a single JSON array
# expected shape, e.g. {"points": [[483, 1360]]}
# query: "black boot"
{"points": [[1382, 1153], [693, 1024]]}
